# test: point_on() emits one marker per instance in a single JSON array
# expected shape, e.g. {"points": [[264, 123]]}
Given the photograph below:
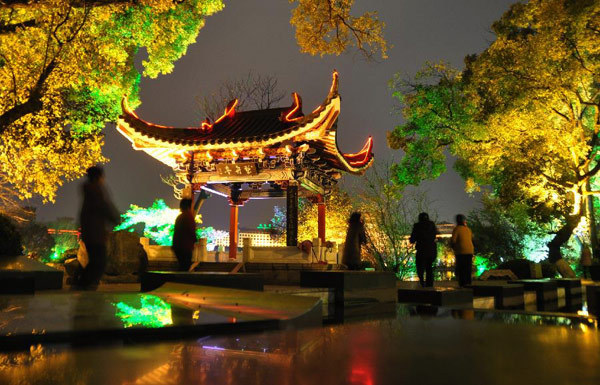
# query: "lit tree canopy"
{"points": [[523, 117], [338, 206], [64, 66], [327, 27]]}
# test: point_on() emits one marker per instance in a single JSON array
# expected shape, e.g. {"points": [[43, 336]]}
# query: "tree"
{"points": [[390, 211], [11, 239], [253, 92], [327, 27], [36, 240], [64, 241], [9, 203], [338, 207], [523, 117], [64, 66], [502, 233]]}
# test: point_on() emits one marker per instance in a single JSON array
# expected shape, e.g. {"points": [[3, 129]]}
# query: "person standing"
{"points": [[355, 238], [97, 212], [184, 236], [462, 244], [423, 235]]}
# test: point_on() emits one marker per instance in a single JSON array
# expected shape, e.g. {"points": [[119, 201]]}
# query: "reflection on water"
{"points": [[152, 312]]}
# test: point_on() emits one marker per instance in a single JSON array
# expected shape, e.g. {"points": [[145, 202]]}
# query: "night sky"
{"points": [[256, 35]]}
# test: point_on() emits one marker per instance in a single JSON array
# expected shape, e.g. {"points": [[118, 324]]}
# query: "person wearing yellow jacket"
{"points": [[462, 244]]}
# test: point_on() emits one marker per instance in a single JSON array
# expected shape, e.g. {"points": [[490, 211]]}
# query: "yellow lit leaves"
{"points": [[326, 27], [338, 209], [64, 67]]}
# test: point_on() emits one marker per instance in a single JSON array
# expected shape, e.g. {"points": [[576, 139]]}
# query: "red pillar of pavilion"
{"points": [[233, 230], [321, 218]]}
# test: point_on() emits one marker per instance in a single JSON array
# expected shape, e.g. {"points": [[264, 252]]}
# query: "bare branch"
{"points": [[253, 91]]}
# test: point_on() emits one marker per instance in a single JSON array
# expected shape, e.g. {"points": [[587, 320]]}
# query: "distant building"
{"points": [[259, 238]]}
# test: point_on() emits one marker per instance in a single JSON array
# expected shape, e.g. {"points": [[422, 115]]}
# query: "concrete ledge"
{"points": [[353, 288], [505, 296], [438, 296], [21, 268], [245, 281], [16, 282], [348, 280]]}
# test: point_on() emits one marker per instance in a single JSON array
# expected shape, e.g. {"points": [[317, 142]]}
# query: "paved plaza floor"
{"points": [[409, 349], [182, 334]]}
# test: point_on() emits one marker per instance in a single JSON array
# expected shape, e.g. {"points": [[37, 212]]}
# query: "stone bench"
{"points": [[546, 292], [16, 282], [245, 281], [355, 293], [505, 296], [437, 296], [573, 292], [22, 269], [353, 285]]}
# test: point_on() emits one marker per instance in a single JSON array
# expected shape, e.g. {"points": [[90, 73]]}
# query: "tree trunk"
{"points": [[33, 103], [593, 227], [560, 239]]}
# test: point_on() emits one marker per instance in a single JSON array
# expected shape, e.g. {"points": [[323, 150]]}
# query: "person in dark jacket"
{"points": [[97, 213], [355, 238], [423, 235], [184, 236]]}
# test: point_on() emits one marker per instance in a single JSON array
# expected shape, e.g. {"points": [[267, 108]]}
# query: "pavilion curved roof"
{"points": [[248, 130]]}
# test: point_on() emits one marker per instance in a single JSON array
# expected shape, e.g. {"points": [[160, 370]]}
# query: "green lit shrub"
{"points": [[158, 222]]}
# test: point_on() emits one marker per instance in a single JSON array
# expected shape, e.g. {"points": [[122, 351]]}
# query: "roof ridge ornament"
{"points": [[294, 114], [229, 113], [333, 90]]}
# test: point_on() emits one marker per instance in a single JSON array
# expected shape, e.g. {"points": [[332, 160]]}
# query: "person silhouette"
{"points": [[97, 212], [355, 238], [423, 235], [462, 244], [184, 236]]}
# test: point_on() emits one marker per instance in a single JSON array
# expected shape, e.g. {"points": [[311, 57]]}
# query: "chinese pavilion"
{"points": [[242, 155]]}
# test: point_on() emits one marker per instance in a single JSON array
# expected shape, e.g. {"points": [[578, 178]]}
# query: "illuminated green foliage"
{"points": [[153, 312], [159, 222], [501, 233], [63, 241]]}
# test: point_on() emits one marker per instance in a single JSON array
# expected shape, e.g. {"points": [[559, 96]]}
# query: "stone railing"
{"points": [[250, 253]]}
